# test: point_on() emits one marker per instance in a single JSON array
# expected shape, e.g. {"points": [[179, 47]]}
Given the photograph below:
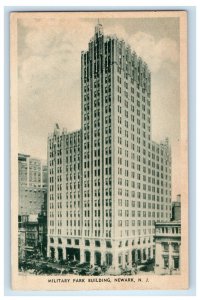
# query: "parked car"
{"points": [[96, 271]]}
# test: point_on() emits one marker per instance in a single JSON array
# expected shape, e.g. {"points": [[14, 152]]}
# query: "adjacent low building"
{"points": [[168, 242], [32, 205], [32, 235]]}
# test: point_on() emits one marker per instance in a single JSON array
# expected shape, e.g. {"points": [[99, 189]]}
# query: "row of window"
{"points": [[173, 230]]}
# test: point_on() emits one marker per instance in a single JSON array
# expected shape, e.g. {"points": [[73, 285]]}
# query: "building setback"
{"points": [[108, 182]]}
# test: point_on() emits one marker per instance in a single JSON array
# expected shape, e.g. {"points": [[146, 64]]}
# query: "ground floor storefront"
{"points": [[109, 257]]}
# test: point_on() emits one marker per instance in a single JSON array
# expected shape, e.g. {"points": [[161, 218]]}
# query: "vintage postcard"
{"points": [[99, 147]]}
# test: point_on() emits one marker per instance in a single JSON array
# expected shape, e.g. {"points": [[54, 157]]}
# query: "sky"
{"points": [[49, 85]]}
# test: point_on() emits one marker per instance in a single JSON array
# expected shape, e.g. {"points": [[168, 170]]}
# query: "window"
{"points": [[87, 243], [120, 223], [166, 261], [108, 244], [176, 247], [97, 243], [120, 260], [120, 213], [165, 246], [176, 262]]}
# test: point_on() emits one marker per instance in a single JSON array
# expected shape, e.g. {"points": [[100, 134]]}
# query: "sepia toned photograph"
{"points": [[99, 150]]}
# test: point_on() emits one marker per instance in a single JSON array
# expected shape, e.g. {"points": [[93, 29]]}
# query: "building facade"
{"points": [[168, 242], [32, 178], [104, 198], [168, 247], [176, 209], [32, 235], [64, 193]]}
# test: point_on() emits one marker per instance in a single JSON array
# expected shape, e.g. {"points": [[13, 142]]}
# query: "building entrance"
{"points": [[87, 256], [139, 255], [133, 256], [144, 255], [72, 254], [52, 252], [60, 254], [109, 259], [97, 257]]}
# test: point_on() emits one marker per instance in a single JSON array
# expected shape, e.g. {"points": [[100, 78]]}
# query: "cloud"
{"points": [[49, 74], [49, 65], [49, 77], [158, 54]]}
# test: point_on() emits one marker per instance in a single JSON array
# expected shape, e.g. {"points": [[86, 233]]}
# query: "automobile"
{"points": [[63, 262], [84, 271], [104, 268], [52, 260], [96, 271], [113, 271], [40, 272], [31, 271], [22, 265], [30, 265], [80, 268], [73, 263], [49, 270], [55, 271], [65, 271], [126, 272], [42, 258], [72, 270], [83, 265], [49, 259], [150, 261], [75, 271], [45, 258], [43, 269]]}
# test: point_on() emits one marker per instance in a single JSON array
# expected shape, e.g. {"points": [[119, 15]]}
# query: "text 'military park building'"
{"points": [[108, 183]]}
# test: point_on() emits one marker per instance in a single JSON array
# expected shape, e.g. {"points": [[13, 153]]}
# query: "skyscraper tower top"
{"points": [[99, 29]]}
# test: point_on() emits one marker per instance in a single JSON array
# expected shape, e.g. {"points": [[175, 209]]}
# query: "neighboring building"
{"points": [[42, 229], [32, 178], [32, 217], [27, 236], [176, 209], [168, 247], [108, 182], [32, 235], [44, 176], [21, 243], [168, 242]]}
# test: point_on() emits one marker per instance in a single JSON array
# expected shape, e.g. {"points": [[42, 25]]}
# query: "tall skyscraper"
{"points": [[108, 182]]}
